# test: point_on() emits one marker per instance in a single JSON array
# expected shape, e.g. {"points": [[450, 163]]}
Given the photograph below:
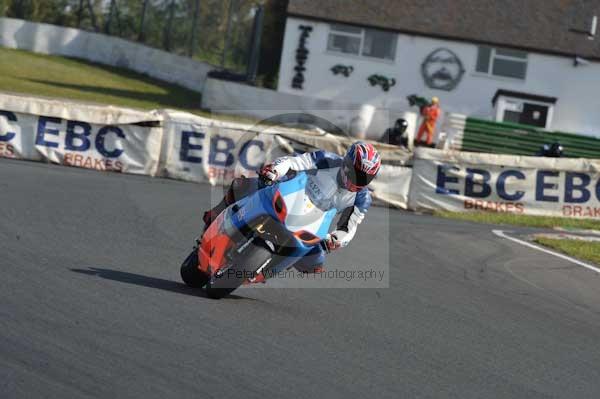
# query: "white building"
{"points": [[533, 61]]}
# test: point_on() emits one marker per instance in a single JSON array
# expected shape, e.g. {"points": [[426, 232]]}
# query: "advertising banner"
{"points": [[198, 149], [462, 182], [117, 148], [85, 136], [17, 137], [392, 185]]}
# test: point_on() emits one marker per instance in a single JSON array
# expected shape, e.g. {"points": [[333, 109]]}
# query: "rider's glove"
{"points": [[268, 172], [332, 242], [276, 170]]}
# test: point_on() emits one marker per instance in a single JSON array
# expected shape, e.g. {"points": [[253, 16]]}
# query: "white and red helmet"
{"points": [[361, 164]]}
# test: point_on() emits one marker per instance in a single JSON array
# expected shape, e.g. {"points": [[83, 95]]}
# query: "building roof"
{"points": [[524, 96], [535, 25]]}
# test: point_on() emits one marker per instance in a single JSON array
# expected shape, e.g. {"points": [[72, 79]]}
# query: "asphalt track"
{"points": [[91, 305]]}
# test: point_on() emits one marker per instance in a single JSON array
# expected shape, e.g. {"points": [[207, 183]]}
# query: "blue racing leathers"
{"points": [[328, 186]]}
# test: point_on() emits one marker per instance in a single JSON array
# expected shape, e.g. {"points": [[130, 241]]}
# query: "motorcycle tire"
{"points": [[190, 274], [242, 266]]}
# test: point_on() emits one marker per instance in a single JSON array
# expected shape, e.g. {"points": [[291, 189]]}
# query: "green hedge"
{"points": [[511, 138]]}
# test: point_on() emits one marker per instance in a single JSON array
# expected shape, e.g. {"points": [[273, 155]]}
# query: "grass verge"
{"points": [[74, 79], [584, 250], [521, 220]]}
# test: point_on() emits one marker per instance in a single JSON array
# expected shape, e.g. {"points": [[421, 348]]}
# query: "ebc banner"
{"points": [[200, 151], [16, 136], [500, 183]]}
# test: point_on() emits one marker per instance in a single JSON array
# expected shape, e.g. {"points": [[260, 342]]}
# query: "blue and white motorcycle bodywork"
{"points": [[267, 231]]}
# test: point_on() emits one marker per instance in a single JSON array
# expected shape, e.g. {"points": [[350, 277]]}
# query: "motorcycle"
{"points": [[265, 232]]}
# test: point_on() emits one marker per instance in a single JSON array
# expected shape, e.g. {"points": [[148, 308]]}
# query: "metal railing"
{"points": [[511, 138]]}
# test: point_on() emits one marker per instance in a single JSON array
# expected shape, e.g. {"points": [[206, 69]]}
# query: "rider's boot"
{"points": [[317, 269], [261, 278], [238, 189], [258, 279], [210, 215], [311, 269]]}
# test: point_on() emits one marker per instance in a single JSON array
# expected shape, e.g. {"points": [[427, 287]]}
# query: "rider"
{"points": [[396, 135], [350, 173], [554, 150]]}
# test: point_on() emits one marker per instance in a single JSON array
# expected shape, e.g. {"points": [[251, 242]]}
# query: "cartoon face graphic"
{"points": [[442, 70]]}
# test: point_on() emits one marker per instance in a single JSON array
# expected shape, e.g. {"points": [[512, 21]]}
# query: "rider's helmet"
{"points": [[360, 166], [401, 125], [556, 150]]}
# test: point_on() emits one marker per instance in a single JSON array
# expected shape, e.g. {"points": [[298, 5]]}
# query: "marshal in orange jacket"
{"points": [[430, 114]]}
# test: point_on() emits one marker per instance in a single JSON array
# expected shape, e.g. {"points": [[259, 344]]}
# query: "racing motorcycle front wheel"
{"points": [[243, 264], [190, 274]]}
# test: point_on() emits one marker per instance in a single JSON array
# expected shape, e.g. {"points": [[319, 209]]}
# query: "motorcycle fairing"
{"points": [[286, 202]]}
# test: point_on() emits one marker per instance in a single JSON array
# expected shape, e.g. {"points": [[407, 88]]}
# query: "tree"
{"points": [[50, 11], [223, 27], [272, 41]]}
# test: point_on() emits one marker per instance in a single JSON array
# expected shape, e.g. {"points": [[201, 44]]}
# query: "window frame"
{"points": [[362, 36], [507, 102], [493, 55], [335, 32]]}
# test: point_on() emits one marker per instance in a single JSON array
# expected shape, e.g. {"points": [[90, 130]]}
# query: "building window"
{"points": [[501, 62], [524, 108], [345, 39], [366, 42]]}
